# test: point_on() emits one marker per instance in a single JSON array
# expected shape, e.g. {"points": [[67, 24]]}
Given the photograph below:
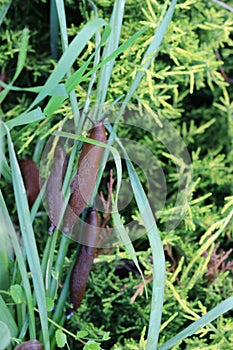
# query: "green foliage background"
{"points": [[185, 86]]}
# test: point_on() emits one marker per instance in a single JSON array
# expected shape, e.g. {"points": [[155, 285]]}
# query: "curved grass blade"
{"points": [[60, 9], [6, 222], [111, 46], [34, 116], [79, 75], [159, 268], [29, 240], [68, 58], [3, 11], [210, 316]]}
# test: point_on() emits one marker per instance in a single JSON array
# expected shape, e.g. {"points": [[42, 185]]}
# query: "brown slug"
{"points": [[3, 77], [83, 183], [86, 255], [31, 178], [54, 195], [30, 345]]}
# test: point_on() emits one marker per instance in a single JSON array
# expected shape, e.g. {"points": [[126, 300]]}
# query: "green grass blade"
{"points": [[7, 224], [53, 29], [60, 9], [29, 240], [111, 46], [210, 316], [5, 336], [3, 11], [65, 45], [5, 256], [34, 116], [22, 53], [79, 75], [7, 318], [124, 237], [159, 268], [59, 90], [69, 57], [55, 102]]}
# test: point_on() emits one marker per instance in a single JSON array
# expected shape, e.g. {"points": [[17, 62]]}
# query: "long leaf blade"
{"points": [[29, 240]]}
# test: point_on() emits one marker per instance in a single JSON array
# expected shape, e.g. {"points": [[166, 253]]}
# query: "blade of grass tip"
{"points": [[58, 90], [3, 11], [210, 316], [53, 30], [35, 115], [159, 268], [60, 7], [29, 239], [111, 45], [6, 221], [69, 57], [22, 53]]}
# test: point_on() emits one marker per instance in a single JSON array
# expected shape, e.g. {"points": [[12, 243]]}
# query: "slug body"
{"points": [[30, 345], [82, 267], [83, 183], [31, 177], [54, 195], [3, 77]]}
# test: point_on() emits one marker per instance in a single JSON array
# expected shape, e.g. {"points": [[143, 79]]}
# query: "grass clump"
{"points": [[160, 75]]}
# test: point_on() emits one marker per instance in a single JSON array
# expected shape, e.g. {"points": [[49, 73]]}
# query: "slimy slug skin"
{"points": [[83, 264], [83, 184], [54, 195]]}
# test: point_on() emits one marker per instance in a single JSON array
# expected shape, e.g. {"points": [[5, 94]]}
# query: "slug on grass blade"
{"points": [[83, 183], [82, 267], [54, 195], [31, 177]]}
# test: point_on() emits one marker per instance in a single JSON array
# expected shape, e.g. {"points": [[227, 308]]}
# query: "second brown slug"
{"points": [[32, 344], [54, 195], [83, 183], [31, 177], [86, 255]]}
